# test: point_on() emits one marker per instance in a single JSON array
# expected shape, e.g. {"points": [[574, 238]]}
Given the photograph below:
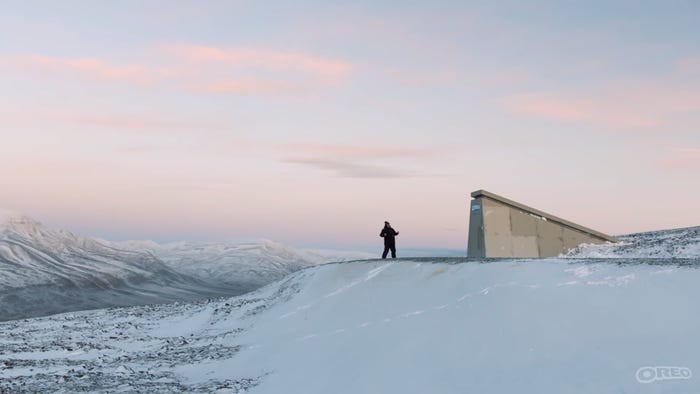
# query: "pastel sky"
{"points": [[312, 122]]}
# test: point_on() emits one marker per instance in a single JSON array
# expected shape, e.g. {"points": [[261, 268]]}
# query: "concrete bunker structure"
{"points": [[499, 227]]}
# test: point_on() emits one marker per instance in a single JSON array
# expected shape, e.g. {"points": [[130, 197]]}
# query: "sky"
{"points": [[312, 122]]}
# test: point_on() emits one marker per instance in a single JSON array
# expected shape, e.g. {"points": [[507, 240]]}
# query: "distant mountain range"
{"points": [[228, 263], [45, 271]]}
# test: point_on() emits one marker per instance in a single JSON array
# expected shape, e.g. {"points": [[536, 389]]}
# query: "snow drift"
{"points": [[666, 244], [623, 325]]}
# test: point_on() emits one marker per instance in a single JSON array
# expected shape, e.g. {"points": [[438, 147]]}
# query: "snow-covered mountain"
{"points": [[255, 263], [561, 325], [38, 255], [44, 271]]}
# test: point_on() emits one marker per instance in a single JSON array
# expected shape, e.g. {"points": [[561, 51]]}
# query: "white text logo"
{"points": [[652, 374]]}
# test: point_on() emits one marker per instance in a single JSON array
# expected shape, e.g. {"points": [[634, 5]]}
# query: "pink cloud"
{"points": [[199, 69], [689, 65], [89, 67], [596, 111], [687, 150], [682, 159], [629, 105], [108, 120], [647, 102], [248, 85], [131, 122], [548, 107], [357, 151], [322, 67]]}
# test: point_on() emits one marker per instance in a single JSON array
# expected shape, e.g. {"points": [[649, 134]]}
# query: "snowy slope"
{"points": [[580, 325]]}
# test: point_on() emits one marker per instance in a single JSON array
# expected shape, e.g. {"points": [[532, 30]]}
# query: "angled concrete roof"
{"points": [[548, 216]]}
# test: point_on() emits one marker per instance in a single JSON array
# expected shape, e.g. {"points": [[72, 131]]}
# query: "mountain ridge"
{"points": [[45, 271]]}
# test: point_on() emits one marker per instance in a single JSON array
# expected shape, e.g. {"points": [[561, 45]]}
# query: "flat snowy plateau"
{"points": [[605, 319]]}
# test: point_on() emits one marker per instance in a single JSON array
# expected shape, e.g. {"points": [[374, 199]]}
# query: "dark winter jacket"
{"points": [[389, 235]]}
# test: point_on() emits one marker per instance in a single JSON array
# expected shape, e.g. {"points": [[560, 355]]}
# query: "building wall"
{"points": [[501, 230]]}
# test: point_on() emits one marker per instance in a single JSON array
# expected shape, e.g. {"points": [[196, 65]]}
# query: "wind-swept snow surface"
{"points": [[444, 326], [677, 243]]}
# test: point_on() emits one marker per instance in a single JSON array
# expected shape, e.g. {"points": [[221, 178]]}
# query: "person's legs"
{"points": [[386, 250], [393, 251]]}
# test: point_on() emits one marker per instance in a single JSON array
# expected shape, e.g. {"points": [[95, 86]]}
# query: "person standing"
{"points": [[389, 235]]}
